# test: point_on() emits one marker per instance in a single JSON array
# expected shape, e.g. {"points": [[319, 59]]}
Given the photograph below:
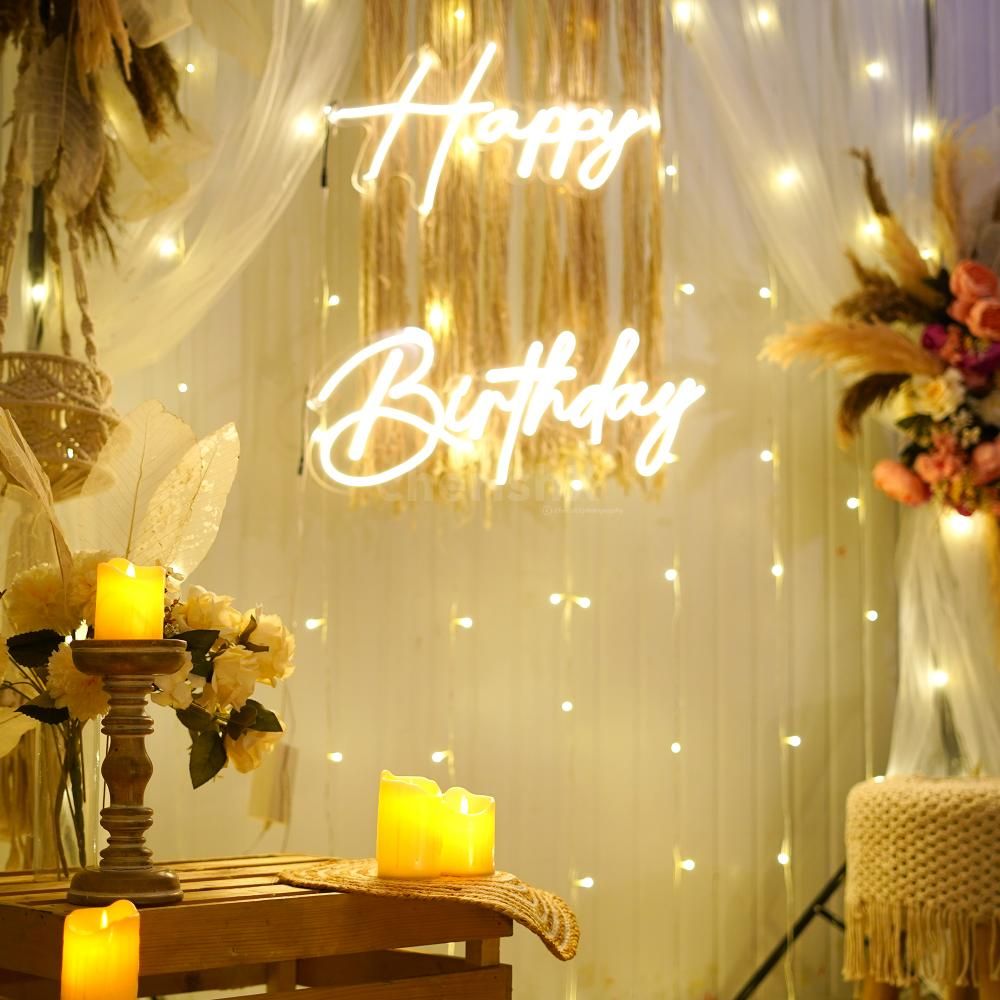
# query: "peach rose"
{"points": [[986, 463], [984, 319], [898, 482], [971, 281], [959, 309]]}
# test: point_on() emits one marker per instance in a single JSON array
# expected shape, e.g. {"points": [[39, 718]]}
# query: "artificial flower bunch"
{"points": [[922, 341]]}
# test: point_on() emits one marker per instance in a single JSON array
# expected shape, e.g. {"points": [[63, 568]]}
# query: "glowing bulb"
{"points": [[783, 858], [875, 69], [958, 524], [555, 598], [583, 602], [764, 16], [938, 678], [794, 741], [683, 13], [675, 747], [871, 229], [464, 622], [567, 706], [38, 292], [777, 570], [787, 177], [333, 300], [764, 292], [459, 14], [189, 68], [336, 757], [182, 387], [576, 485], [687, 288], [853, 503], [440, 756], [168, 247], [670, 170], [306, 125], [872, 615], [688, 864], [767, 455], [81, 631], [314, 623], [670, 575], [585, 883], [70, 453], [928, 253], [922, 131], [436, 316]]}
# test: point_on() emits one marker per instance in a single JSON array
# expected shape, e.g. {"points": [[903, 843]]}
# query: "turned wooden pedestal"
{"points": [[127, 667], [238, 927]]}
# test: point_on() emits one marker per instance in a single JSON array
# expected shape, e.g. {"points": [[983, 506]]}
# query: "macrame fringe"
{"points": [[899, 943]]}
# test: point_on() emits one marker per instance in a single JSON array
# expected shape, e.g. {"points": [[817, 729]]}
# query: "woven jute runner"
{"points": [[923, 873], [541, 912]]}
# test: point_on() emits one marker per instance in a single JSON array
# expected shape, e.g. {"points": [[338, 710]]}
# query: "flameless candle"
{"points": [[468, 833], [129, 601], [408, 843], [101, 953]]}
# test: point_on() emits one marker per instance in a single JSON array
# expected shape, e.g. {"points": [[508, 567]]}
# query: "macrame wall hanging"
{"points": [[501, 260]]}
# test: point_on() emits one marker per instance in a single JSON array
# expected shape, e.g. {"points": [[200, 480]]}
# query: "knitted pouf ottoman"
{"points": [[923, 885]]}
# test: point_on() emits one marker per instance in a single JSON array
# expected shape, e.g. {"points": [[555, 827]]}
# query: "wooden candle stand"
{"points": [[127, 667]]}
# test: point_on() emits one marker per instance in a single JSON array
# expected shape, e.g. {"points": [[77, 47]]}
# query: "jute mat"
{"points": [[545, 915]]}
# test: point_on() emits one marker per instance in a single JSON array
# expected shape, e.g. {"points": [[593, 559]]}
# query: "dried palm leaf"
{"points": [[880, 299], [856, 350], [873, 390], [100, 30], [947, 197], [153, 83]]}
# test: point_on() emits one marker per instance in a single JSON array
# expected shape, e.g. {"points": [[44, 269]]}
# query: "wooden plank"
{"points": [[17, 987], [281, 976], [493, 983], [236, 977], [374, 966], [482, 953], [308, 925]]}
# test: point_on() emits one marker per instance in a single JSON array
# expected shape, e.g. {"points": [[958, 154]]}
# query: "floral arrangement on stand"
{"points": [[155, 495], [922, 342]]}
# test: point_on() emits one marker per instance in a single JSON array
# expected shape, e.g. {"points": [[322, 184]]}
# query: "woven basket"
{"points": [[61, 406]]}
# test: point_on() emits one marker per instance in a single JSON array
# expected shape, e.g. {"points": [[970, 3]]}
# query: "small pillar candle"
{"points": [[129, 601], [468, 833], [408, 843], [100, 958]]}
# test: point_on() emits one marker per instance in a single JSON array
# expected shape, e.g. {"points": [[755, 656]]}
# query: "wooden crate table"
{"points": [[239, 927]]}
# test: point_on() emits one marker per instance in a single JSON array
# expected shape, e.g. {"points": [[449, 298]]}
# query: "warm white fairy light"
{"points": [[688, 864], [683, 13], [335, 758], [581, 602], [958, 524], [463, 622], [333, 300], [675, 747], [182, 387], [307, 125], [764, 292], [923, 131], [468, 147], [670, 170], [577, 599], [587, 882], [875, 69], [686, 288], [38, 292], [70, 453], [440, 756], [872, 615], [436, 316], [852, 503], [765, 16], [777, 570], [928, 253], [767, 455], [783, 858], [787, 177], [190, 68], [938, 678], [168, 247], [314, 623], [555, 599], [576, 485], [871, 229], [793, 741], [567, 706], [670, 575], [459, 14]]}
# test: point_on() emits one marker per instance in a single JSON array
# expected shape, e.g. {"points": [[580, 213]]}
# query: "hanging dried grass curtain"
{"points": [[465, 251]]}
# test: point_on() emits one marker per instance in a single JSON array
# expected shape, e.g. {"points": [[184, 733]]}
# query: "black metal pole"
{"points": [[816, 908]]}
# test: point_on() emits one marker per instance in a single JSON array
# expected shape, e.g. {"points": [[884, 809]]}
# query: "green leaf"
{"points": [[208, 757], [265, 721], [44, 709], [33, 649], [244, 636], [199, 643], [196, 719]]}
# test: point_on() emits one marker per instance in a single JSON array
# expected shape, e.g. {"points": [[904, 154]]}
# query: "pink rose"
{"points": [[898, 482], [942, 462], [984, 319], [959, 309], [986, 462], [971, 281]]}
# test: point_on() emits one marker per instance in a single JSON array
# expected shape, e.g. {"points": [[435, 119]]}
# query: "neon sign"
{"points": [[530, 392], [593, 132]]}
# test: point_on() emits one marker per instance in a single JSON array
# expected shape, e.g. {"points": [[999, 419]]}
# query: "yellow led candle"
{"points": [[408, 842], [468, 831], [129, 601], [101, 953]]}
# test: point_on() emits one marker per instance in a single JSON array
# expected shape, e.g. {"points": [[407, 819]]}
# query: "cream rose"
{"points": [[939, 396], [174, 690], [276, 664], [247, 753], [234, 674], [83, 694], [205, 610]]}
